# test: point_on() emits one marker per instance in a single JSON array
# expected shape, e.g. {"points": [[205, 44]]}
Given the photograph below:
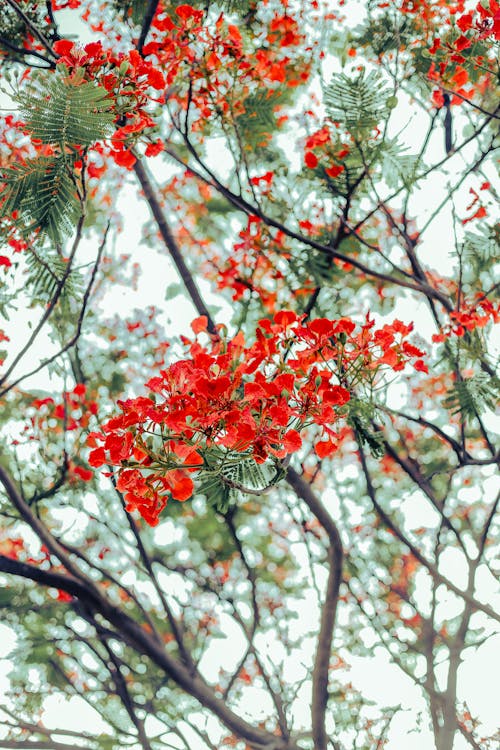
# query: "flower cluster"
{"points": [[129, 81], [467, 40], [69, 416], [472, 315], [245, 399], [253, 264], [321, 149]]}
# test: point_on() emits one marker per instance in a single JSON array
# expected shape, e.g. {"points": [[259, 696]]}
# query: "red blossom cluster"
{"points": [[128, 79], [248, 399], [321, 150], [75, 409], [253, 265], [217, 64], [475, 314], [71, 414], [466, 42], [181, 46], [476, 204]]}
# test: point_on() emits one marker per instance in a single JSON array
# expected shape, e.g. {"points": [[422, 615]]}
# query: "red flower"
{"points": [[63, 47], [292, 441], [325, 448], [311, 160], [84, 474], [153, 149], [200, 324], [124, 158], [156, 79], [97, 457], [334, 170]]}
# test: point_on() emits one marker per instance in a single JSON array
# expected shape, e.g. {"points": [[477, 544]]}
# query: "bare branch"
{"points": [[325, 638]]}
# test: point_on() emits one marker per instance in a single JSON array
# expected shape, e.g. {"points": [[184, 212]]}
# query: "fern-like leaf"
{"points": [[397, 166], [45, 273], [472, 396], [258, 121], [227, 476], [482, 252], [360, 418], [43, 194], [60, 111], [358, 104]]}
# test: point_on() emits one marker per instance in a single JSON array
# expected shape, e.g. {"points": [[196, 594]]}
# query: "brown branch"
{"points": [[123, 691], [38, 745], [27, 53], [240, 203], [432, 569], [491, 115], [171, 244], [174, 625], [412, 468], [335, 554], [50, 307], [43, 532], [143, 642], [146, 23], [31, 26], [430, 169], [73, 340]]}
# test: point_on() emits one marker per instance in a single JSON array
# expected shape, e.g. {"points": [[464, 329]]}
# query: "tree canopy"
{"points": [[248, 371]]}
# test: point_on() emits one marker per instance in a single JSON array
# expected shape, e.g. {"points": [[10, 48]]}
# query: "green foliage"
{"points": [[43, 192], [384, 33], [133, 10], [242, 8], [397, 166], [226, 476], [472, 396], [61, 111], [259, 119], [481, 253], [46, 271], [361, 415], [7, 299], [358, 104]]}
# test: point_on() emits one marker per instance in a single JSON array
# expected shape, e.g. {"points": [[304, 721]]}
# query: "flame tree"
{"points": [[202, 526]]}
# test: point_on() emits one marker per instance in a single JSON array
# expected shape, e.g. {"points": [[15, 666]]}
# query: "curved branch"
{"points": [[31, 26], [53, 302], [73, 340], [323, 652], [171, 244], [240, 203], [146, 23], [143, 642], [432, 569]]}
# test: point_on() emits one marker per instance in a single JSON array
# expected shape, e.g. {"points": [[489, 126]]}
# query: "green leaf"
{"points": [[46, 271], [58, 110], [473, 396], [43, 193], [358, 104]]}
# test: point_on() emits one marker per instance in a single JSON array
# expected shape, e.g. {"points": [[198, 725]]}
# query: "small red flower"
{"points": [[311, 160]]}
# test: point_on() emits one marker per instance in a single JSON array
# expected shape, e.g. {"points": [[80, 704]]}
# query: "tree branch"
{"points": [[146, 23], [171, 245], [435, 574], [324, 648]]}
